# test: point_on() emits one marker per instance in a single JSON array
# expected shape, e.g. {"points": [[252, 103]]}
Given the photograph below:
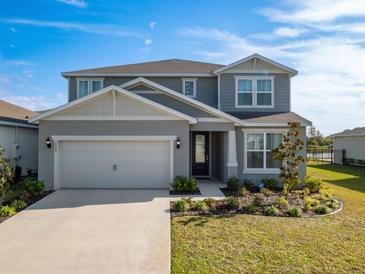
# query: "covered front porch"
{"points": [[213, 153]]}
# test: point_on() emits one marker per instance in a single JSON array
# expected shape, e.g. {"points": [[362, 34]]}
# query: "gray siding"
{"points": [[206, 86], [281, 93], [354, 146], [49, 128], [177, 105]]}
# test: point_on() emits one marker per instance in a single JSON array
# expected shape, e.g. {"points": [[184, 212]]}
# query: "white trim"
{"points": [[146, 91], [120, 90], [248, 124], [291, 71], [254, 80], [16, 124], [92, 74], [89, 80], [231, 149], [59, 138], [264, 170], [213, 120], [115, 118], [184, 98], [194, 80]]}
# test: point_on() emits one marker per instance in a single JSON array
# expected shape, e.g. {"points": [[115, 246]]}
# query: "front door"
{"points": [[200, 154]]}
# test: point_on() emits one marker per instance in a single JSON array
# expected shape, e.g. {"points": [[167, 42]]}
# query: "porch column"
{"points": [[232, 165]]}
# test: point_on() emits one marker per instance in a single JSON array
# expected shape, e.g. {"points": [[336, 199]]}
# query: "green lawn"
{"points": [[259, 244]]}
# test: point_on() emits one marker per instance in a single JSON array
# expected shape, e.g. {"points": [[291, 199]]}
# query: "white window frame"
{"points": [[254, 91], [90, 80], [194, 86], [263, 170]]}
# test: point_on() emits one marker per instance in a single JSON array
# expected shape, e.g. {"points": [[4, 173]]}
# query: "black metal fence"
{"points": [[327, 155]]}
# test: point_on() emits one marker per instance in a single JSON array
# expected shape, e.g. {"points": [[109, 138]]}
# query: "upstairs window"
{"points": [[189, 87], [87, 86], [254, 91]]}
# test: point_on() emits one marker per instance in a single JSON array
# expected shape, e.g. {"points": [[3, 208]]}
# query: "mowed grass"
{"points": [[259, 244]]}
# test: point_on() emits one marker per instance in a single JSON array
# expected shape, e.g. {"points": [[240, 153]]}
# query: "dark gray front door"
{"points": [[200, 154]]}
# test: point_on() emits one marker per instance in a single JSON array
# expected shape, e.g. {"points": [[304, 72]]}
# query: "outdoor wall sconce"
{"points": [[48, 142], [178, 143]]}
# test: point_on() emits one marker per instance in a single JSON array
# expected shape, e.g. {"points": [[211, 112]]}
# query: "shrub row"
{"points": [[185, 184]]}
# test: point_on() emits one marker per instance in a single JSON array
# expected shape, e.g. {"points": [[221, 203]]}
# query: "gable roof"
{"points": [[110, 89], [13, 111], [291, 71], [358, 131], [183, 98], [171, 66]]}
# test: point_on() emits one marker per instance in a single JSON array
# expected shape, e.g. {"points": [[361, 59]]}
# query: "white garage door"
{"points": [[114, 164]]}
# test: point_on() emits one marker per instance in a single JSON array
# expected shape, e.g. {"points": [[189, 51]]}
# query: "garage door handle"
{"points": [[114, 167]]}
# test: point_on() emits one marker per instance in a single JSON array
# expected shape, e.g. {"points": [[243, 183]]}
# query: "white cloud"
{"points": [[153, 24], [330, 86], [12, 29], [76, 3], [104, 29], [33, 102], [148, 42], [289, 32], [315, 11]]}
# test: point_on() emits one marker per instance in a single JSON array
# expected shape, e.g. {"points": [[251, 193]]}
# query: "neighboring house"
{"points": [[352, 144], [18, 137], [140, 125]]}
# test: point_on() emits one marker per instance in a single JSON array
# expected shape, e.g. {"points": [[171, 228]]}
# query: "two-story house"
{"points": [[140, 125]]}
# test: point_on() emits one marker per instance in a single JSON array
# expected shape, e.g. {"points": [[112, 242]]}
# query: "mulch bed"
{"points": [[31, 201], [176, 193], [261, 201]]}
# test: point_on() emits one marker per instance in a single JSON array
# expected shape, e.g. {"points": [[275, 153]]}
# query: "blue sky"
{"points": [[323, 39]]}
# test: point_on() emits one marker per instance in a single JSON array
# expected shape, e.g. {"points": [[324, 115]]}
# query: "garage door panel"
{"points": [[137, 164]]}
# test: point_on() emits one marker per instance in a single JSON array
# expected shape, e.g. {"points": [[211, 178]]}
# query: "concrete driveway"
{"points": [[89, 231]]}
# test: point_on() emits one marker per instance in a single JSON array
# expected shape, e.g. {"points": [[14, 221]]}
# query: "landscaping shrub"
{"points": [[322, 209], [270, 183], [233, 183], [180, 205], [231, 203], [258, 199], [310, 202], [271, 211], [282, 202], [312, 184], [33, 186], [331, 204], [243, 192], [7, 211], [209, 202], [251, 208], [200, 206], [185, 184], [294, 212], [266, 191], [249, 185], [6, 173], [19, 204]]}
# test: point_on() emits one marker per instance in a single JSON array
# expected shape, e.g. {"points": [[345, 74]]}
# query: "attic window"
{"points": [[189, 87], [87, 86]]}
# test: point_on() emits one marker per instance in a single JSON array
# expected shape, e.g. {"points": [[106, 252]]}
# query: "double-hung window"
{"points": [[87, 86], [189, 87], [258, 148], [255, 91]]}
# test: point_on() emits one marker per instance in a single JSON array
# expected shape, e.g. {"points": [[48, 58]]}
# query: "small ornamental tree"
{"points": [[288, 154], [6, 173]]}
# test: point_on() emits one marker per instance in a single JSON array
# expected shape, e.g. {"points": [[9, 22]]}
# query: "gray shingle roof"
{"points": [[13, 111], [163, 66], [351, 132], [270, 117]]}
